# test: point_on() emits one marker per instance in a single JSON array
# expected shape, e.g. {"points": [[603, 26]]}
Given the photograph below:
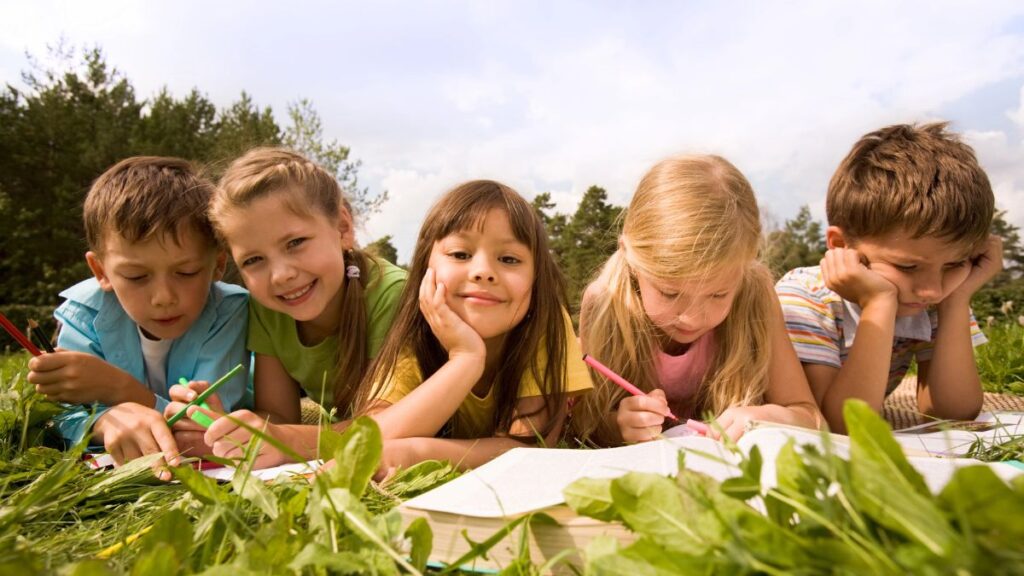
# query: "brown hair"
{"points": [[918, 179], [143, 197], [465, 207], [691, 217], [307, 188]]}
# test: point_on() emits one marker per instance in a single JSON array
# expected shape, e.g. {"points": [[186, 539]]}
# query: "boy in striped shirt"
{"points": [[909, 211]]}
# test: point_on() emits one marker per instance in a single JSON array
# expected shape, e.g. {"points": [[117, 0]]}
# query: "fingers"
{"points": [[640, 418], [228, 438]]}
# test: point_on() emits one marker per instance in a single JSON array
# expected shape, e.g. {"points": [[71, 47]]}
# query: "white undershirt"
{"points": [[154, 354]]}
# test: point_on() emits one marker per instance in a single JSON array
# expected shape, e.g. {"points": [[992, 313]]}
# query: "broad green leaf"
{"points": [[318, 556], [592, 497], [748, 483], [980, 500], [84, 568], [174, 529], [255, 491], [651, 505], [886, 486], [204, 489], [644, 558], [357, 456], [158, 559], [421, 542]]}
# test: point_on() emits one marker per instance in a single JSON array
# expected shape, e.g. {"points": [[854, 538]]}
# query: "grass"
{"points": [[1001, 361]]}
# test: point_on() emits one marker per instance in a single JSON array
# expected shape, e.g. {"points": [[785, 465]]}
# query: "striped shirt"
{"points": [[815, 317]]}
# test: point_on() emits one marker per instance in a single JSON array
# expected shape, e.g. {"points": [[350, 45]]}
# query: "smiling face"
{"points": [[686, 310], [488, 275], [924, 270], [162, 282], [291, 263]]}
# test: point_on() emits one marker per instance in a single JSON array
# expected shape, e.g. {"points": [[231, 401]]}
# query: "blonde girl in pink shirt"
{"points": [[685, 311]]}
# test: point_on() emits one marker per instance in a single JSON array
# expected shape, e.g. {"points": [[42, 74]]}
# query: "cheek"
{"points": [[954, 278]]}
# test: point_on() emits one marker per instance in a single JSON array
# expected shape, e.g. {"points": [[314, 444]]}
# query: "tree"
{"points": [[185, 128], [588, 240], [799, 243], [383, 248], [305, 135], [554, 223], [241, 127]]}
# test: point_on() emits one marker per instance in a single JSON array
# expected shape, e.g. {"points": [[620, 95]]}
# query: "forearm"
{"points": [[865, 373], [428, 406], [953, 388], [465, 454]]}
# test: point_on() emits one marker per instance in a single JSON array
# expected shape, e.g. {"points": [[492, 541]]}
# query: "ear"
{"points": [[220, 266], [96, 265], [346, 227], [834, 238]]}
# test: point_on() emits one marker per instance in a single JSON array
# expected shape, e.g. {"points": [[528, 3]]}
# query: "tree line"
{"points": [[69, 123]]}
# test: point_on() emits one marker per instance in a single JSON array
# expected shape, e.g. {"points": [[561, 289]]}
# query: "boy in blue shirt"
{"points": [[154, 312]]}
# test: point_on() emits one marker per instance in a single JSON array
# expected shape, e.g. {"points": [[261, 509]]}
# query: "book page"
{"points": [[267, 474], [953, 438], [527, 479]]}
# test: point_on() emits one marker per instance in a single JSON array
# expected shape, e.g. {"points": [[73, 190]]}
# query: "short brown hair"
{"points": [[918, 179], [145, 196]]}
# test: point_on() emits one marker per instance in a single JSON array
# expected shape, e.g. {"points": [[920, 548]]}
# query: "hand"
{"points": [[189, 434], [640, 418], [846, 274], [229, 439], [736, 420], [985, 263], [81, 378], [131, 430], [397, 453], [457, 337]]}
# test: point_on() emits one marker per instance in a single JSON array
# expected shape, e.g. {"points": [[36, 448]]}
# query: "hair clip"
{"points": [[352, 272]]}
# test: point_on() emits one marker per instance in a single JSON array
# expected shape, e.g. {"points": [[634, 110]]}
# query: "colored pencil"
{"points": [[17, 335], [622, 382], [204, 394], [42, 339]]}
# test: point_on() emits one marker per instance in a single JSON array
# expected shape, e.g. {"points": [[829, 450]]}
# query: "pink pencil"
{"points": [[622, 382]]}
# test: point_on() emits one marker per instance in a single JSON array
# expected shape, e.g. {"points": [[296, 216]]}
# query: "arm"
{"points": [[865, 373], [470, 453], [788, 399], [277, 394], [948, 385], [425, 409]]}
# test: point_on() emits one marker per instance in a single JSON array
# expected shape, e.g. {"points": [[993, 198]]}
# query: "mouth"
{"points": [[298, 295], [167, 321], [481, 298]]}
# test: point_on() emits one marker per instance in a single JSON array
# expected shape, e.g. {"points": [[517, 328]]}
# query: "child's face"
{"points": [[488, 275], [162, 285], [924, 270], [290, 263], [686, 310]]}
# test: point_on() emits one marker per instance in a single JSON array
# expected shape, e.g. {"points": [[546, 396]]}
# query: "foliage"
{"points": [[1001, 360], [75, 119], [869, 514], [799, 243], [383, 248]]}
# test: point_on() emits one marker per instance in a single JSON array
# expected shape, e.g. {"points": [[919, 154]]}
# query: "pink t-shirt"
{"points": [[680, 376]]}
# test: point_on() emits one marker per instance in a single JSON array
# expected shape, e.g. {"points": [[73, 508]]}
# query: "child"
{"points": [[482, 341], [153, 313], [684, 310], [320, 308], [909, 211]]}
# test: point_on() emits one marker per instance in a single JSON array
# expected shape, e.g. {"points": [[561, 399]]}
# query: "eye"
{"points": [[295, 243], [138, 278], [459, 255], [905, 267], [719, 295], [955, 265], [250, 261], [668, 295], [509, 260], [188, 273]]}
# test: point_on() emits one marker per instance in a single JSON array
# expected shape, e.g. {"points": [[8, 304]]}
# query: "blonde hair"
{"points": [[692, 217], [143, 197], [306, 188], [465, 207], [921, 179]]}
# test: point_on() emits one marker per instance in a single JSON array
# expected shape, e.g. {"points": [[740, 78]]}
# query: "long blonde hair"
{"points": [[305, 187], [692, 217]]}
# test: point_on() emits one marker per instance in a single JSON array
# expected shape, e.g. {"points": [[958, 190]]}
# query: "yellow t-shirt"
{"points": [[475, 414]]}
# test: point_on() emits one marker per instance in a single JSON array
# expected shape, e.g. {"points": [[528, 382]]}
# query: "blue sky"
{"points": [[558, 96]]}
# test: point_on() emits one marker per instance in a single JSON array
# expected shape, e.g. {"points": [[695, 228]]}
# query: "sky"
{"points": [[559, 96]]}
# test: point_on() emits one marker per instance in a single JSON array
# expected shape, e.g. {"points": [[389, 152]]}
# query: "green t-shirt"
{"points": [[274, 333]]}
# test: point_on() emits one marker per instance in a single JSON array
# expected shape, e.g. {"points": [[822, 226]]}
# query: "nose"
{"points": [[690, 318], [281, 272], [929, 288], [482, 271], [163, 294]]}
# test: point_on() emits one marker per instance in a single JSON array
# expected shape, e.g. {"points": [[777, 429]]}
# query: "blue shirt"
{"points": [[93, 321]]}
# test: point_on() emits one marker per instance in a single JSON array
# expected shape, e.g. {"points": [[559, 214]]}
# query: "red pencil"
{"points": [[17, 335], [622, 382]]}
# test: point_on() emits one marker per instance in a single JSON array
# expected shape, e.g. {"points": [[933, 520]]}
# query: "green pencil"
{"points": [[204, 395]]}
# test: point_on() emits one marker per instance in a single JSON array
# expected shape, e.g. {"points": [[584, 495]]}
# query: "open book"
{"points": [[527, 480], [225, 473], [954, 438]]}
